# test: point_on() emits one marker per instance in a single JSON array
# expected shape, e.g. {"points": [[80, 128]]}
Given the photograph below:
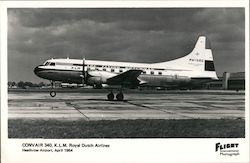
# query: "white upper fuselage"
{"points": [[119, 67]]}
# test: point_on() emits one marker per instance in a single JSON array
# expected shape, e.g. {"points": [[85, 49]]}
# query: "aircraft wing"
{"points": [[127, 78]]}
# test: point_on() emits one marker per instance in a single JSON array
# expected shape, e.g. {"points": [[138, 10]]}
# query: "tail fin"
{"points": [[199, 60], [203, 43]]}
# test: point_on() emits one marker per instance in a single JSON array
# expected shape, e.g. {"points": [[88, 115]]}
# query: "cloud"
{"points": [[134, 35]]}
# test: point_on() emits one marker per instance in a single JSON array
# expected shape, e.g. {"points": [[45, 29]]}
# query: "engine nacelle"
{"points": [[95, 80], [98, 77]]}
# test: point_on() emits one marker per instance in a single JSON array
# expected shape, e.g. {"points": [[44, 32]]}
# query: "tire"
{"points": [[119, 97], [52, 93], [110, 96]]}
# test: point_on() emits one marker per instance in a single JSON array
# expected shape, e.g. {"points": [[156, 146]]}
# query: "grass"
{"points": [[192, 128]]}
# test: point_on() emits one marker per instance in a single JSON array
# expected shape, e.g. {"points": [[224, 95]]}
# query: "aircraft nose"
{"points": [[37, 70]]}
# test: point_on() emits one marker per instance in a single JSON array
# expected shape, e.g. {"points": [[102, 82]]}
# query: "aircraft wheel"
{"points": [[52, 93], [120, 96], [110, 96]]}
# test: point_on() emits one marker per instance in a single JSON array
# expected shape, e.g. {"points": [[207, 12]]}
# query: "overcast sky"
{"points": [[131, 35]]}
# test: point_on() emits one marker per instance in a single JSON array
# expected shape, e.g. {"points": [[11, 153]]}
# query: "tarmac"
{"points": [[151, 105]]}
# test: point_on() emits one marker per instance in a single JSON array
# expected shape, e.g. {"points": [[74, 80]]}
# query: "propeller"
{"points": [[83, 76]]}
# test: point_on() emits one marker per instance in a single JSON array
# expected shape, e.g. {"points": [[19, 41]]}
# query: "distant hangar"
{"points": [[229, 81]]}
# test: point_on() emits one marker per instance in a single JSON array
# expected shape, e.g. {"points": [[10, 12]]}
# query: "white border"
{"points": [[121, 150]]}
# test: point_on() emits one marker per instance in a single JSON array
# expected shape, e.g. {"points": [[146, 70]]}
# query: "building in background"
{"points": [[229, 81], [234, 81]]}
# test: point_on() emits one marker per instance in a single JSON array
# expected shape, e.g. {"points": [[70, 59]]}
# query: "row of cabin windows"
{"points": [[113, 70], [100, 66], [104, 69], [152, 73]]}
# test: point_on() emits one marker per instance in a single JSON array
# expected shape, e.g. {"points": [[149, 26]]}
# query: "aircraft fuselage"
{"points": [[197, 66]]}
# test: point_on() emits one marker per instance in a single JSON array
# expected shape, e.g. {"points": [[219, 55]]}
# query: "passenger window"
{"points": [[152, 72], [112, 70], [159, 73], [52, 64], [120, 70]]}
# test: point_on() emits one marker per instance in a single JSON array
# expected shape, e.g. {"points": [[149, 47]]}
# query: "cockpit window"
{"points": [[49, 64], [52, 64]]}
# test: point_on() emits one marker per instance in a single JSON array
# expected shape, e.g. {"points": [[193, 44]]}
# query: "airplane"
{"points": [[196, 67]]}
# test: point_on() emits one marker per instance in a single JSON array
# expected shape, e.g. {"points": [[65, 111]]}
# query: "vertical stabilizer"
{"points": [[201, 43], [202, 52], [200, 60]]}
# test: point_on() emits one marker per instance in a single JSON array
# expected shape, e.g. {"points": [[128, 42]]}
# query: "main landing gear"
{"points": [[52, 93], [119, 96]]}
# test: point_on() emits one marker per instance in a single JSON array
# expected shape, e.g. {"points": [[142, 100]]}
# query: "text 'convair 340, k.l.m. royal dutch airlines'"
{"points": [[196, 67]]}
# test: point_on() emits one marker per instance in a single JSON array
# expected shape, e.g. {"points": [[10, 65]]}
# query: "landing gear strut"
{"points": [[52, 93]]}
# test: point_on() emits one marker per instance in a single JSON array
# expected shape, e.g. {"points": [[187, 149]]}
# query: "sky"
{"points": [[144, 35]]}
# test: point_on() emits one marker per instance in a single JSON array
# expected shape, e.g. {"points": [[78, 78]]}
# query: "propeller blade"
{"points": [[83, 72]]}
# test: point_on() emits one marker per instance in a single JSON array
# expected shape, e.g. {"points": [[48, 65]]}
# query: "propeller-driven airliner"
{"points": [[196, 67]]}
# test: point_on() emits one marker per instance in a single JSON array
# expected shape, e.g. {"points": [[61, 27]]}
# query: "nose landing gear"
{"points": [[52, 93]]}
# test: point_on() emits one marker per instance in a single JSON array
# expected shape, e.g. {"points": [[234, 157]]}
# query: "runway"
{"points": [[94, 106]]}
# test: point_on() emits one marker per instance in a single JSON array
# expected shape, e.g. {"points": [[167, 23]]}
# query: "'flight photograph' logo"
{"points": [[229, 149]]}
